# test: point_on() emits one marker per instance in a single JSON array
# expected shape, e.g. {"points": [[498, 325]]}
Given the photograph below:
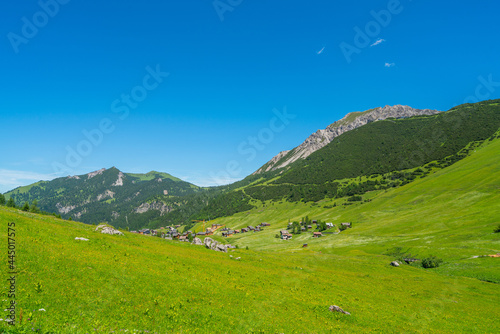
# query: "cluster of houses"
{"points": [[305, 227], [226, 232], [210, 230], [346, 225], [285, 235], [171, 232], [146, 231]]}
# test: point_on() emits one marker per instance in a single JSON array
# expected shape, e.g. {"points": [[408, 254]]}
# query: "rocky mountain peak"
{"points": [[351, 121], [97, 172]]}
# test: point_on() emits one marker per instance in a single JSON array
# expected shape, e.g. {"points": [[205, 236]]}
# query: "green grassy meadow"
{"points": [[142, 284], [450, 214]]}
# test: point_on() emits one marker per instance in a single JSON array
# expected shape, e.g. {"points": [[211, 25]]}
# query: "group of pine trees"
{"points": [[11, 203], [33, 207]]}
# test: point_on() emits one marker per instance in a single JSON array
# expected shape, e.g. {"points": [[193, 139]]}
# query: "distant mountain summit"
{"points": [[106, 195], [351, 121]]}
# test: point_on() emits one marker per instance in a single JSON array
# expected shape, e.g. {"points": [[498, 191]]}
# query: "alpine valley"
{"points": [[387, 221], [366, 151]]}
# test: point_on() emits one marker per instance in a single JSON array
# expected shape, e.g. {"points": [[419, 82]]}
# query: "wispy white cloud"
{"points": [[321, 51], [378, 41], [389, 65], [10, 179]]}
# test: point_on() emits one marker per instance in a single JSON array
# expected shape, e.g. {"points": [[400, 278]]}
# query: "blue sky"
{"points": [[73, 66]]}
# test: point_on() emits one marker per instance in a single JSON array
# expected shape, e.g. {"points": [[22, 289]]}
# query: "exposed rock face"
{"points": [[144, 207], [197, 241], [107, 193], [272, 163], [64, 209], [78, 215], [159, 206], [97, 172], [119, 182], [335, 308], [221, 248], [108, 230], [115, 215], [351, 121], [76, 177], [214, 245], [208, 242], [82, 239]]}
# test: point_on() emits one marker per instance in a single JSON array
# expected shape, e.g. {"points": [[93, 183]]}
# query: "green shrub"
{"points": [[431, 262], [355, 198], [497, 229]]}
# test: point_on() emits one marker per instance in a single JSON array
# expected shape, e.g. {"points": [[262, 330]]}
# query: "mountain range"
{"points": [[106, 195], [376, 149], [351, 121]]}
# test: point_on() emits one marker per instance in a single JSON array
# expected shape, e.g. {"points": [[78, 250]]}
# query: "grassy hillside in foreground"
{"points": [[450, 214], [145, 284]]}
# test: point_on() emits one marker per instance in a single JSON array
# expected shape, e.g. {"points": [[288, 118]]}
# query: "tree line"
{"points": [[27, 207]]}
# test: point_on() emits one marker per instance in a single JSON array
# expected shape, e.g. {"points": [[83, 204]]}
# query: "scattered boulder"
{"points": [[82, 239], [108, 230], [221, 248], [395, 263], [197, 241], [238, 258], [208, 242], [335, 308], [213, 245]]}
